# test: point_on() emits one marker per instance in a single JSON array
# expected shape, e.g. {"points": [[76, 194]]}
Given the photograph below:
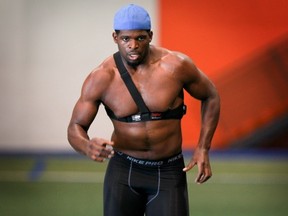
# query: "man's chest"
{"points": [[159, 94]]}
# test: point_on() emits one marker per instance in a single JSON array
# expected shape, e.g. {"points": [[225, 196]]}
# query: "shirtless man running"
{"points": [[146, 172]]}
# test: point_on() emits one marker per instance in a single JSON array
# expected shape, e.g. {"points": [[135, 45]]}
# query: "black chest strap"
{"points": [[176, 113]]}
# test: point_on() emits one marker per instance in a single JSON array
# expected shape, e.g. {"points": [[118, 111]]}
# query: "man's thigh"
{"points": [[172, 199]]}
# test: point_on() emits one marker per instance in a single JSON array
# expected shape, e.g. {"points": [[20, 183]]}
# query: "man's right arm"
{"points": [[83, 115]]}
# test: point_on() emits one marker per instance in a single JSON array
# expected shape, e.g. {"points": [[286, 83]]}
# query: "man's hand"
{"points": [[201, 159], [99, 149]]}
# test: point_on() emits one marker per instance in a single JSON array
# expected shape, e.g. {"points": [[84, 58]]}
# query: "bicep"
{"points": [[84, 113], [198, 85], [87, 105]]}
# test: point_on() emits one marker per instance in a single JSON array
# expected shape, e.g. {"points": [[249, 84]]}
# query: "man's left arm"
{"points": [[202, 88]]}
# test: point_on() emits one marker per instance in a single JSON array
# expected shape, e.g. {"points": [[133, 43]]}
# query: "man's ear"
{"points": [[115, 36], [151, 35]]}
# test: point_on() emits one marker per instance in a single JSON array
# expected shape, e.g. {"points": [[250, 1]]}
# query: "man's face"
{"points": [[133, 45]]}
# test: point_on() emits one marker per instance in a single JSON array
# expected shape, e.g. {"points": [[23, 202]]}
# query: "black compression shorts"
{"points": [[134, 186]]}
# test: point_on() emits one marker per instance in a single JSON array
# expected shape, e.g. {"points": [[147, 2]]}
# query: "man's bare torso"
{"points": [[160, 84]]}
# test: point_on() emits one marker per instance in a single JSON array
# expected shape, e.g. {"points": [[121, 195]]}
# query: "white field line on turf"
{"points": [[98, 177]]}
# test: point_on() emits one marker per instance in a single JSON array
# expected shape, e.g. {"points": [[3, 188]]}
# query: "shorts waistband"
{"points": [[151, 163]]}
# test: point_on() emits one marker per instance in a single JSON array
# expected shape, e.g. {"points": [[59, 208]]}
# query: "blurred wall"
{"points": [[47, 48]]}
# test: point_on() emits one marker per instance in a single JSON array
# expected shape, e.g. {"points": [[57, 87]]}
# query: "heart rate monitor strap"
{"points": [[129, 84]]}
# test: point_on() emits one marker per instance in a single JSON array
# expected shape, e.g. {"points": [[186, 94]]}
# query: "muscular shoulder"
{"points": [[104, 72], [99, 80], [194, 80], [179, 64]]}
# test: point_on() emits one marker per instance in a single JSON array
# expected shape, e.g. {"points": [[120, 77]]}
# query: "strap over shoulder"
{"points": [[130, 84]]}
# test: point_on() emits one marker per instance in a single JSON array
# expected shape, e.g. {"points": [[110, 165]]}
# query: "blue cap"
{"points": [[132, 17]]}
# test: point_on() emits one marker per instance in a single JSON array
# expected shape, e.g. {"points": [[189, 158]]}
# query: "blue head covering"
{"points": [[132, 17]]}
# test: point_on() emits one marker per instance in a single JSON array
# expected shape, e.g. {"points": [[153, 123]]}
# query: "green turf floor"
{"points": [[56, 186]]}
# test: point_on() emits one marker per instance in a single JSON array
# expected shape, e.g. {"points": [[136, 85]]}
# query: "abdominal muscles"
{"points": [[150, 140]]}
